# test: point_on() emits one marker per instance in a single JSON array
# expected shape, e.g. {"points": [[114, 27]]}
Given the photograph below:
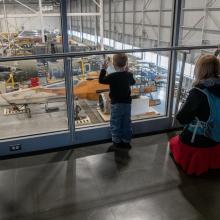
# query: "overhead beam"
{"points": [[140, 24], [214, 20], [196, 29], [194, 26], [24, 5], [99, 5], [49, 15], [145, 10], [202, 9]]}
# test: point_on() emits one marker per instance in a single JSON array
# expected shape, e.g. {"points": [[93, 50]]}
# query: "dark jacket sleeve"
{"points": [[191, 107], [132, 80], [217, 52], [103, 79], [3, 68]]}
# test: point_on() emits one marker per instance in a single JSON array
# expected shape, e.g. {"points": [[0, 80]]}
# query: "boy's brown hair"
{"points": [[120, 60]]}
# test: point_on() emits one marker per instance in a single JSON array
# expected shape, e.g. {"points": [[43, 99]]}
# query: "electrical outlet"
{"points": [[15, 147]]}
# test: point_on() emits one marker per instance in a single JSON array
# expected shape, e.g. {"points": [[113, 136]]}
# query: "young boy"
{"points": [[120, 95]]}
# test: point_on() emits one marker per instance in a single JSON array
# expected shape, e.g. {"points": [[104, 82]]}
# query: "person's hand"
{"points": [[105, 65]]}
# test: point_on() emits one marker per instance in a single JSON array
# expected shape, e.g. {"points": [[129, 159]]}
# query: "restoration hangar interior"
{"points": [[54, 113]]}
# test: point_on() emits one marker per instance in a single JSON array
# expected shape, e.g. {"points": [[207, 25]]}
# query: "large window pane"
{"points": [[182, 87], [32, 97], [149, 94]]}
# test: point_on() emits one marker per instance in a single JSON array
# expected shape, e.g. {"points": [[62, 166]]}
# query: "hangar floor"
{"points": [[19, 124], [89, 184]]}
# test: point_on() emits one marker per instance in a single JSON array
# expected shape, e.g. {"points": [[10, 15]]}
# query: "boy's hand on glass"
{"points": [[105, 65]]}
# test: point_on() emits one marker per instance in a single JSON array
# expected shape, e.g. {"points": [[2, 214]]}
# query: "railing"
{"points": [[162, 122], [89, 53]]}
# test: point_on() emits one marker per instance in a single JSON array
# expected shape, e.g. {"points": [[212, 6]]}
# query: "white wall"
{"points": [[147, 32], [29, 23]]}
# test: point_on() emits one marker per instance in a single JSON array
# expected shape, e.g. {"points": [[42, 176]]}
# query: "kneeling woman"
{"points": [[197, 148]]}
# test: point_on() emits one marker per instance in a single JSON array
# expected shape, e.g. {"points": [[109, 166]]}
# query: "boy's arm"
{"points": [[217, 51], [132, 80], [103, 79]]}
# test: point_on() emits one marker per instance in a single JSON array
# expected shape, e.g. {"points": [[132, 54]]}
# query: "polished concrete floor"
{"points": [[89, 184]]}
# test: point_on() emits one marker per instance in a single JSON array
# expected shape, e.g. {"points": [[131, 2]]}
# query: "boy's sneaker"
{"points": [[113, 147], [122, 157], [126, 146]]}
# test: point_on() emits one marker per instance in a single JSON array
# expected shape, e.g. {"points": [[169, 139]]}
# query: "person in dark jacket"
{"points": [[207, 72], [197, 148], [120, 95], [3, 68]]}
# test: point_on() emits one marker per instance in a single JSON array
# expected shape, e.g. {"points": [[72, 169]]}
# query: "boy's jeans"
{"points": [[120, 122]]}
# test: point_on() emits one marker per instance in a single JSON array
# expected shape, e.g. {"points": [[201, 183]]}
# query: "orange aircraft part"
{"points": [[89, 89], [85, 89], [147, 89]]}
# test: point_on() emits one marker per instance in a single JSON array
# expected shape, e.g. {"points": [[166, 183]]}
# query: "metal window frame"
{"points": [[74, 136]]}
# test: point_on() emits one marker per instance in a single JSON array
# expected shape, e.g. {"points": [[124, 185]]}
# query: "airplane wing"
{"points": [[29, 96]]}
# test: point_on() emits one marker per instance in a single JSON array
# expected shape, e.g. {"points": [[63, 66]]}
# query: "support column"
{"points": [[6, 22], [173, 56], [90, 22], [67, 70], [180, 85], [70, 18], [145, 2], [204, 20], [81, 22], [114, 24], [159, 24], [110, 21], [101, 28], [134, 20], [41, 21], [123, 28], [96, 28]]}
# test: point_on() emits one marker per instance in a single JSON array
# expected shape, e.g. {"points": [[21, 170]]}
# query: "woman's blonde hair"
{"points": [[207, 67]]}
